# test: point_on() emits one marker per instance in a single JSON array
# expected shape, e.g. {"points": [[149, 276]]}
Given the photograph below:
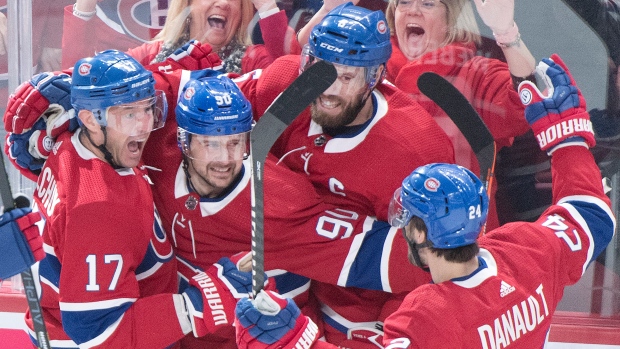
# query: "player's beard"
{"points": [[208, 178], [332, 124]]}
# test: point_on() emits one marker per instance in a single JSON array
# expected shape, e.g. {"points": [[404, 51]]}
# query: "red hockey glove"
{"points": [[20, 241], [29, 150], [271, 321], [194, 55], [220, 286], [33, 98], [559, 116]]}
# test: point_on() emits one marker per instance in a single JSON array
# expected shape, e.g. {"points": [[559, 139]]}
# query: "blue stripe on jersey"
{"points": [[600, 223], [365, 272], [151, 258], [49, 269], [335, 324], [288, 282], [83, 326]]}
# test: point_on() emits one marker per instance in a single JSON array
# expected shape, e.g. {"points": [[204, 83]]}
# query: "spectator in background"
{"points": [[222, 24]]}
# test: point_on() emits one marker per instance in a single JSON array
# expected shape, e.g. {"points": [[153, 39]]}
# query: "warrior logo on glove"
{"points": [[558, 114]]}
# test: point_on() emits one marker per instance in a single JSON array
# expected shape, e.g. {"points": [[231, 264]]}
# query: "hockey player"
{"points": [[201, 172], [345, 142], [109, 276], [480, 296]]}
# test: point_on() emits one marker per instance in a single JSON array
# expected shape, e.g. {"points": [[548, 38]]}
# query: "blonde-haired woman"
{"points": [[222, 24]]}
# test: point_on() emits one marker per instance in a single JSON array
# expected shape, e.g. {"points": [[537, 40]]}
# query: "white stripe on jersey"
{"points": [[88, 306], [385, 259]]}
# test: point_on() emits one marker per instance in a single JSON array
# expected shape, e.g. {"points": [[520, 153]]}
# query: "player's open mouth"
{"points": [[135, 146], [329, 103], [217, 22], [221, 170]]}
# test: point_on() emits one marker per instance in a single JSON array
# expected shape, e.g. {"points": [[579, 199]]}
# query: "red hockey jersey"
{"points": [[303, 234], [109, 274]]}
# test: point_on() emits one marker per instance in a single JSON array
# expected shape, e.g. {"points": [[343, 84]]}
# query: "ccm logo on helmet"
{"points": [[330, 47]]}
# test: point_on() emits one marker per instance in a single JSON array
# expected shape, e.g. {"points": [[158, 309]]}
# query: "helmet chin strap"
{"points": [[102, 148], [415, 253], [188, 175]]}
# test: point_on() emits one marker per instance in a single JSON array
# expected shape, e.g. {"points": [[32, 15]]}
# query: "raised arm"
{"points": [[499, 16], [581, 216]]}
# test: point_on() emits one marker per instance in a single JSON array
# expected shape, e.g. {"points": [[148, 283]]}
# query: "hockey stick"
{"points": [[306, 88], [27, 278], [460, 111]]}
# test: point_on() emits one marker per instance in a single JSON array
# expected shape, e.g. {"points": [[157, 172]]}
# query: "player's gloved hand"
{"points": [[272, 321], [194, 55], [29, 150], [21, 244], [220, 287], [34, 98], [558, 116]]}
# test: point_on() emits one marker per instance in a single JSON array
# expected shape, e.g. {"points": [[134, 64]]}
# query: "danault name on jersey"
{"points": [[522, 318]]}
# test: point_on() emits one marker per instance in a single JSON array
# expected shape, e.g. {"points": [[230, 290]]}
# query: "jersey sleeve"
{"points": [[495, 98], [581, 223], [306, 236], [277, 35]]}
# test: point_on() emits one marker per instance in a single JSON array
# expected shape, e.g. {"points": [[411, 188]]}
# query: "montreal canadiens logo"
{"points": [[431, 184], [189, 92], [84, 68], [381, 27], [526, 96], [141, 19]]}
